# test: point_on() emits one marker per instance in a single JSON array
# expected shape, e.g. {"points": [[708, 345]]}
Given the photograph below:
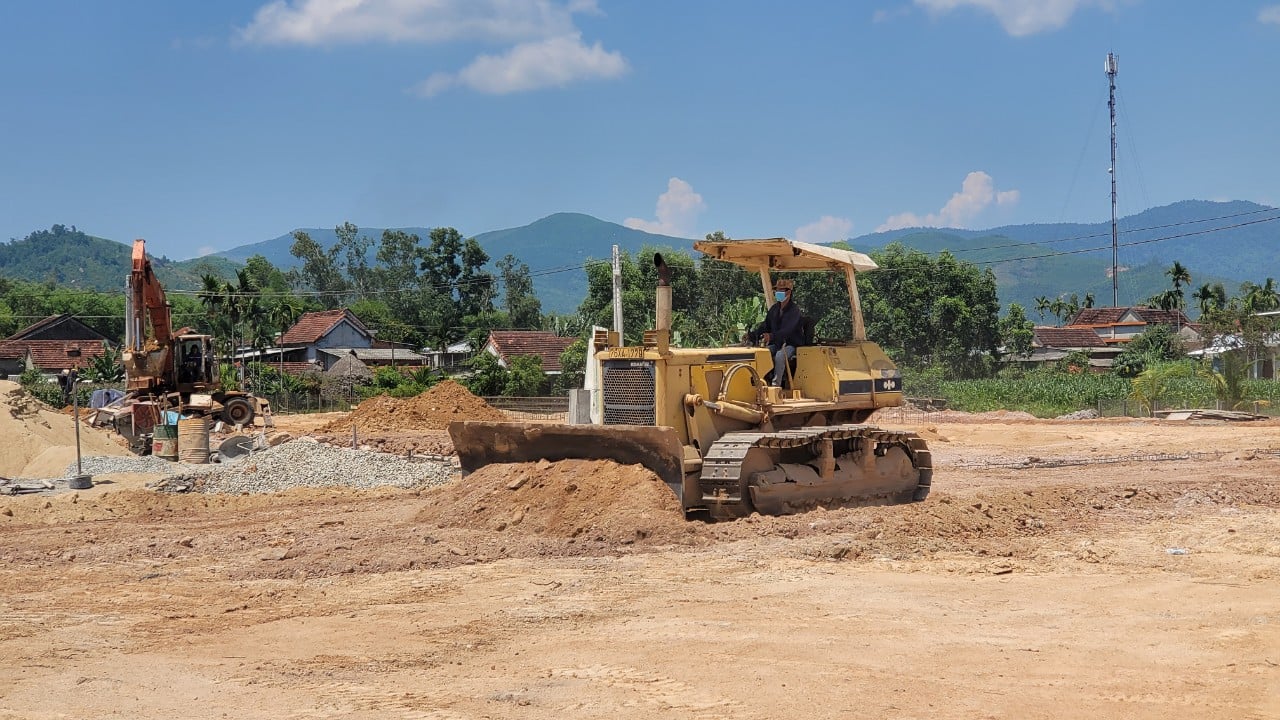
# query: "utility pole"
{"points": [[617, 295], [1112, 68]]}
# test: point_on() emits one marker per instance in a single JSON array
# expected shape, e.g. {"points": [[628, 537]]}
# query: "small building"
{"points": [[328, 329], [56, 343], [1119, 325], [1051, 344], [452, 358], [507, 344], [372, 357]]}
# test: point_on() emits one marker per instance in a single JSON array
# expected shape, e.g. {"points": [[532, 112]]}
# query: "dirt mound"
{"points": [[432, 410], [39, 441], [592, 499]]}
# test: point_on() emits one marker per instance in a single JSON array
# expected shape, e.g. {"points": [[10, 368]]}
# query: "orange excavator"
{"points": [[168, 370]]}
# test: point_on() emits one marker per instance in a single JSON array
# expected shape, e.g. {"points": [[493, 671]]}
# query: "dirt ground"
{"points": [[1083, 569]]}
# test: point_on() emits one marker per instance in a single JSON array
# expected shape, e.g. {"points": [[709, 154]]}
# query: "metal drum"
{"points": [[193, 440], [164, 441]]}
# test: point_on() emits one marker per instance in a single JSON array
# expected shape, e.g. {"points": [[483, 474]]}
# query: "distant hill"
{"points": [[1227, 242], [70, 258], [557, 244], [552, 247]]}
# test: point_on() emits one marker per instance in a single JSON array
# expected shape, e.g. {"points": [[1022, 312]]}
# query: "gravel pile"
{"points": [[299, 463]]}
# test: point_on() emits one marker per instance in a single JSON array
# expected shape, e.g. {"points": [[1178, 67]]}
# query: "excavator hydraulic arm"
{"points": [[149, 304]]}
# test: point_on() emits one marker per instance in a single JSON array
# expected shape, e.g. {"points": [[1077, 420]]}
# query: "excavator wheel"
{"points": [[237, 411]]}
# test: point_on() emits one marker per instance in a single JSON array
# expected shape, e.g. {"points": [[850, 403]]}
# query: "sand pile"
{"points": [[432, 410], [588, 499], [37, 441]]}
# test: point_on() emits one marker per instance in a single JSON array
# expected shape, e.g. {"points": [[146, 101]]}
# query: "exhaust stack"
{"points": [[663, 309]]}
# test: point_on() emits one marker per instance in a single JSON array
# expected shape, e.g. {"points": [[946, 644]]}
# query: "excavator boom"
{"points": [[149, 305]]}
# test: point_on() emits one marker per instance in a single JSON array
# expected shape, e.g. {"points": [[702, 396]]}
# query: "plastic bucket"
{"points": [[193, 440], [164, 441]]}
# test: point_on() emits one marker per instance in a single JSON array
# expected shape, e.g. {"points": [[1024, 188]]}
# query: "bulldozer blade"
{"points": [[485, 443]]}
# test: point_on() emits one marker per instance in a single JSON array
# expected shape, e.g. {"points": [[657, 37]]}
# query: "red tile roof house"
{"points": [[326, 329], [506, 344], [1051, 344], [1103, 333], [54, 344], [1119, 325]]}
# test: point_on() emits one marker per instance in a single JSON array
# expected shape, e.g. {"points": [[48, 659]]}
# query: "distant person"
{"points": [[782, 330], [67, 384]]}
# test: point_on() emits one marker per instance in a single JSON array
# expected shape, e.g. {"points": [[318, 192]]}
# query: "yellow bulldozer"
{"points": [[706, 422]]}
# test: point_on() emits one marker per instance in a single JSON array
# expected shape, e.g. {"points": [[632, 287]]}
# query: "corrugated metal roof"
{"points": [[377, 354]]}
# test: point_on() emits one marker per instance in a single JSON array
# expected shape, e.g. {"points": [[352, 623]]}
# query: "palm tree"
{"points": [[1261, 298], [1042, 305], [1179, 275], [1210, 298], [1167, 300]]}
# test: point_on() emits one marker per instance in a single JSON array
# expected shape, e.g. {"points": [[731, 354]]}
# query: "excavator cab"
{"points": [[195, 366]]}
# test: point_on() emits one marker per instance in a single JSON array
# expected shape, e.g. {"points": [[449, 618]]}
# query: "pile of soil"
{"points": [[40, 441], [432, 410], [597, 500]]}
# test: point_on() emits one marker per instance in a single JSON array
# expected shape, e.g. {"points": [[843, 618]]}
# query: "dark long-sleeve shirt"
{"points": [[784, 325]]}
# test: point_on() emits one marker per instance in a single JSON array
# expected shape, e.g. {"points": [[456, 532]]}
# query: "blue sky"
{"points": [[206, 125]]}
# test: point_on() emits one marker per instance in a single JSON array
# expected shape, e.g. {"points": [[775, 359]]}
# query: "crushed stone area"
{"points": [[307, 464]]}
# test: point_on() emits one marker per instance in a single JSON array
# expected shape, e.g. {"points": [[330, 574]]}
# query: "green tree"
{"points": [[320, 270], [1158, 344], [1178, 275], [725, 293], [1210, 298], [475, 285], [639, 280], [104, 368], [524, 310], [1042, 305], [1153, 385], [1166, 300], [573, 365], [1017, 332], [927, 311], [1260, 298], [487, 377], [355, 258], [524, 377]]}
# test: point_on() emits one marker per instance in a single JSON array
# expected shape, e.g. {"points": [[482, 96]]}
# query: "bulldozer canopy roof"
{"points": [[784, 254]]}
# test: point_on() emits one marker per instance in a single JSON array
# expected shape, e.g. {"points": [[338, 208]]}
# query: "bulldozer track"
{"points": [[722, 466]]}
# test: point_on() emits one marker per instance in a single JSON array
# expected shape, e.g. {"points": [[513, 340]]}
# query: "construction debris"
{"points": [[1198, 414]]}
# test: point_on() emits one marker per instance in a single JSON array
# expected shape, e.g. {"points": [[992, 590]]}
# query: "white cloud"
{"points": [[1269, 15], [977, 193], [555, 62], [678, 210], [326, 22], [826, 229], [206, 250], [544, 46], [1020, 17]]}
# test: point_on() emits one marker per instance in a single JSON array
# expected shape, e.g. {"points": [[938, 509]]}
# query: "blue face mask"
{"points": [[780, 295]]}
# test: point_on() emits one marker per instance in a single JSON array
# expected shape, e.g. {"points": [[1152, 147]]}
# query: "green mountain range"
{"points": [[68, 257], [1227, 242]]}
